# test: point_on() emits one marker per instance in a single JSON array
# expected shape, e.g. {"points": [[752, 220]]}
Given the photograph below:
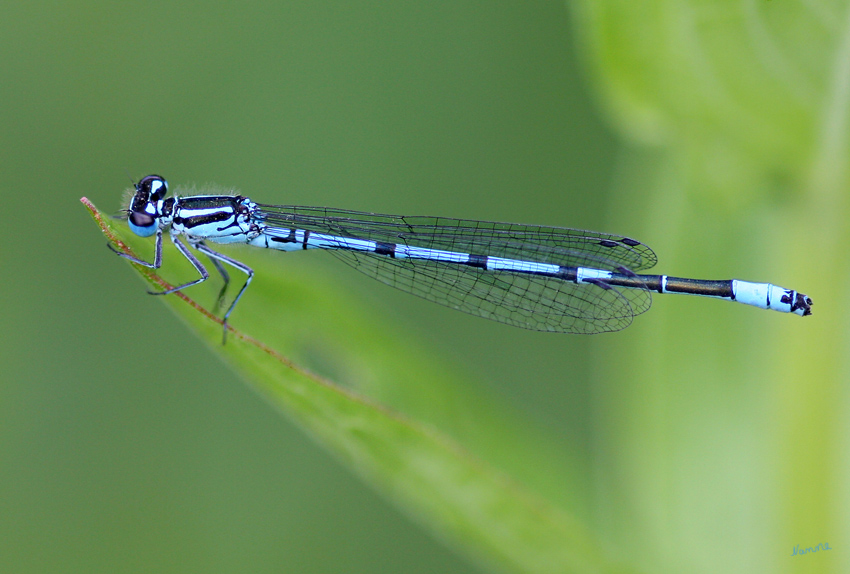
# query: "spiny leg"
{"points": [[195, 263], [238, 265], [225, 277]]}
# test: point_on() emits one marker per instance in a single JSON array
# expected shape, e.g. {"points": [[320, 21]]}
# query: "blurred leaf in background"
{"points": [[729, 442]]}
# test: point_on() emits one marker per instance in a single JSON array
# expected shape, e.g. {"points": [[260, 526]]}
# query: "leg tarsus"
{"points": [[157, 258]]}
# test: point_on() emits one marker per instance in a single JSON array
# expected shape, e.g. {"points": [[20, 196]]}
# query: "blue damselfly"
{"points": [[542, 278]]}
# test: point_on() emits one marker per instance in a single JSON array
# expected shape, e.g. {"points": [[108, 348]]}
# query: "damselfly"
{"points": [[542, 278]]}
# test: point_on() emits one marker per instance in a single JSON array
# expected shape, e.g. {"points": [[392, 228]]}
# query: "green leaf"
{"points": [[471, 471]]}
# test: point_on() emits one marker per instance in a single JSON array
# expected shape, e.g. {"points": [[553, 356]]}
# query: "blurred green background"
{"points": [[707, 437]]}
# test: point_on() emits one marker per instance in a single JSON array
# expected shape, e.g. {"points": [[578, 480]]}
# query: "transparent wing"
{"points": [[530, 301], [558, 245]]}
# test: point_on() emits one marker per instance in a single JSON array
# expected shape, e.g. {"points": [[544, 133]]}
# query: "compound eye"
{"points": [[142, 224], [154, 186]]}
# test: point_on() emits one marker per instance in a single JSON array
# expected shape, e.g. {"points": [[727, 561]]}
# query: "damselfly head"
{"points": [[144, 207]]}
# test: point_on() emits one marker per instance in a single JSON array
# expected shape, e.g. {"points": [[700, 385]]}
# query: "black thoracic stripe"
{"points": [[382, 248], [196, 220], [288, 239], [214, 202], [479, 261], [306, 238], [168, 207]]}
